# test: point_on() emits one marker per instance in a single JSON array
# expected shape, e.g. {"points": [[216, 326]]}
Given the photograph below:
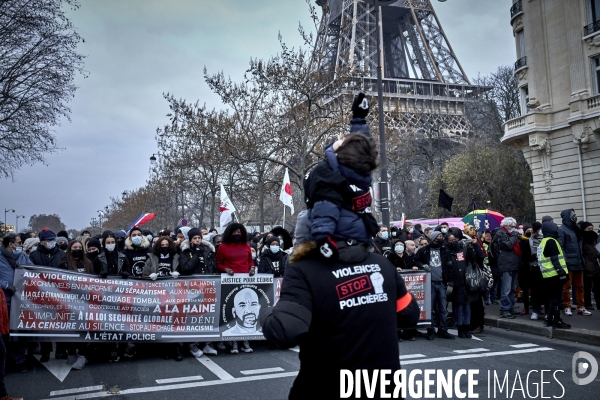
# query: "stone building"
{"points": [[558, 70]]}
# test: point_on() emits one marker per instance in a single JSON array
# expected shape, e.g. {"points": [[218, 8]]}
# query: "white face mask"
{"points": [[50, 244], [34, 248], [110, 247]]}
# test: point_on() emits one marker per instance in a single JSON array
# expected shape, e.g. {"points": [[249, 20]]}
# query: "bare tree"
{"points": [[38, 63]]}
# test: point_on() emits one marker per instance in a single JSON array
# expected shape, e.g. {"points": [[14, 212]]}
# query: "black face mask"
{"points": [[63, 247], [435, 244], [77, 253], [236, 238], [590, 237], [164, 250], [93, 254], [528, 234], [120, 244]]}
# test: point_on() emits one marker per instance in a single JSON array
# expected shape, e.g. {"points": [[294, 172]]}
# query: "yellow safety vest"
{"points": [[545, 263]]}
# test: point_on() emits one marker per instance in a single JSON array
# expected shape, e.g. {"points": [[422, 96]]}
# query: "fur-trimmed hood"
{"points": [[129, 244], [186, 245]]}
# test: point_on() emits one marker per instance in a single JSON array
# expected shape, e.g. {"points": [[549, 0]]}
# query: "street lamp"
{"points": [[6, 210], [383, 189], [17, 223]]}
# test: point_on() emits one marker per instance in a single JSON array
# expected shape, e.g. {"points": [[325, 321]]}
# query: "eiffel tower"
{"points": [[424, 84]]}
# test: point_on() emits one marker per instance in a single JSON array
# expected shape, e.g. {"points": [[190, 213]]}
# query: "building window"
{"points": [[524, 100], [596, 74], [521, 44], [593, 11]]}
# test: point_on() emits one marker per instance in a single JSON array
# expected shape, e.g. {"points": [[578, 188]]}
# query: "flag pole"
{"points": [[284, 216]]}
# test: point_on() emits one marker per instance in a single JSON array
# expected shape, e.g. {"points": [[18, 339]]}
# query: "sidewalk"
{"points": [[584, 329]]}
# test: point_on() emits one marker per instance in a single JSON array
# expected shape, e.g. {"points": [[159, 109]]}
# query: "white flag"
{"points": [[226, 208], [286, 192]]}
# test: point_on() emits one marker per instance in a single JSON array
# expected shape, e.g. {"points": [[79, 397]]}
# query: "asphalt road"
{"points": [[268, 374]]}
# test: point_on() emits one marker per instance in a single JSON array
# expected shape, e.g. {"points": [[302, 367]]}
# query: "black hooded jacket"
{"points": [[569, 237], [47, 258], [348, 311]]}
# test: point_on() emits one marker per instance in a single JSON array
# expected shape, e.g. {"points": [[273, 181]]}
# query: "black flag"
{"points": [[445, 200]]}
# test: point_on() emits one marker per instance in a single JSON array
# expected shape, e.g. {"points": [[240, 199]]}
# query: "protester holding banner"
{"points": [[112, 261], [163, 261], [75, 260], [136, 251], [197, 256], [273, 260], [234, 256], [47, 254]]}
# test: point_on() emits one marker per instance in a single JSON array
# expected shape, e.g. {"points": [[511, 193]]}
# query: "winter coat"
{"points": [[152, 266], [197, 262], [454, 265], [405, 262], [123, 267], [404, 235], [271, 263], [384, 246], [591, 255], [137, 255], [504, 244], [8, 263], [339, 202], [569, 238], [24, 259], [357, 329], [45, 257], [236, 256]]}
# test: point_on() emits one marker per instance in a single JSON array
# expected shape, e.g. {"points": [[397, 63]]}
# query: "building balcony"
{"points": [[516, 8], [521, 63], [591, 28]]}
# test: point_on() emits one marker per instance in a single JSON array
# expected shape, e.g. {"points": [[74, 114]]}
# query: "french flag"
{"points": [[144, 218]]}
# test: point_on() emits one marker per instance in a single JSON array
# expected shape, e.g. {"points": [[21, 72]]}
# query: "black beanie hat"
{"points": [[271, 240], [536, 226], [194, 232], [135, 228], [585, 225], [62, 233], [94, 243]]}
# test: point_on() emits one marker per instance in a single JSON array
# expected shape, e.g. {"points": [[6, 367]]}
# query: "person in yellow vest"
{"points": [[554, 270]]}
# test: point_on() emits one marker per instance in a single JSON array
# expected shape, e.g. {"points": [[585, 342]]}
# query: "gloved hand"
{"points": [[125, 274], [327, 248], [360, 106], [229, 271], [252, 271], [449, 290], [175, 274], [426, 267], [153, 276], [10, 289], [104, 275]]}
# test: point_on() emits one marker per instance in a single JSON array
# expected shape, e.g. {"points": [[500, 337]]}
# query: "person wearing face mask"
{"points": [[382, 241], [406, 233], [120, 237], [569, 238], [62, 243], [591, 255], [136, 250], [75, 260], [182, 235], [92, 248], [274, 260], [233, 257], [429, 258], [525, 274], [505, 247], [253, 248], [9, 254], [112, 261], [29, 245], [454, 264], [47, 254]]}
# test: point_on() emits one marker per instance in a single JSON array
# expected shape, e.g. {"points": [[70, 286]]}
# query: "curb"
{"points": [[578, 335]]}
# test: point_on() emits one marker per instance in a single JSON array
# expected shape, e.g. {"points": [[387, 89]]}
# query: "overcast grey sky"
{"points": [[138, 49]]}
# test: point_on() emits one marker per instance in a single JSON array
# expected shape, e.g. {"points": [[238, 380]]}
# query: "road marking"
{"points": [[296, 349], [521, 346], [59, 368], [261, 371], [178, 386], [469, 351], [214, 368], [76, 390], [180, 379], [409, 356], [463, 356]]}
